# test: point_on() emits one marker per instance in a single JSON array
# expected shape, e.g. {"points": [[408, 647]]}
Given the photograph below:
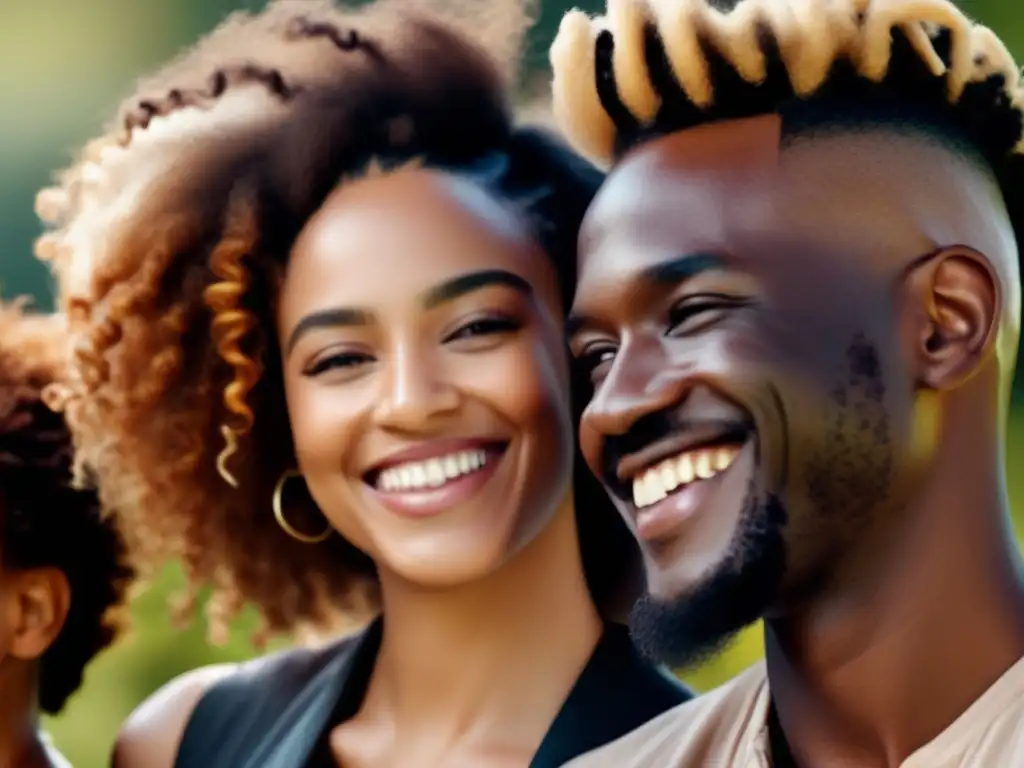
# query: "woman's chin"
{"points": [[431, 565]]}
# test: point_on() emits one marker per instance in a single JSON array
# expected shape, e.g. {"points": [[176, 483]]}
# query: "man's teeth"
{"points": [[654, 484], [432, 473]]}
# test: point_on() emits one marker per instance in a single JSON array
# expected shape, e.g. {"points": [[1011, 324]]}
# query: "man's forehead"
{"points": [[684, 171], [879, 192], [721, 146]]}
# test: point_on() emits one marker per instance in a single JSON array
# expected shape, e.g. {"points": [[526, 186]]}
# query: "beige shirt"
{"points": [[728, 728]]}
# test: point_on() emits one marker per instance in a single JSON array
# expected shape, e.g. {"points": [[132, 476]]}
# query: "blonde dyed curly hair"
{"points": [[647, 67], [170, 237]]}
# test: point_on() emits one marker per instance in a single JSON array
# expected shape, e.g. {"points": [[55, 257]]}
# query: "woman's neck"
{"points": [[488, 661]]}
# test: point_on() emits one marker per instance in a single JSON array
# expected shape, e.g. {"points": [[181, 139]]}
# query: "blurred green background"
{"points": [[64, 65]]}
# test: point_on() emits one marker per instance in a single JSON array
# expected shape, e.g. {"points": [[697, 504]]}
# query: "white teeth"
{"points": [[723, 458], [418, 475], [451, 466], [435, 473], [655, 490], [432, 473], [654, 484], [669, 477], [702, 466], [684, 466]]}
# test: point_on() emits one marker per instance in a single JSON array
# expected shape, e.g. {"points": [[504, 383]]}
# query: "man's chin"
{"points": [[687, 629], [673, 633]]}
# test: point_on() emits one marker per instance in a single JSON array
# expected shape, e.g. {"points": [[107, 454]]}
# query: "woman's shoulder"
{"points": [[151, 734], [195, 710]]}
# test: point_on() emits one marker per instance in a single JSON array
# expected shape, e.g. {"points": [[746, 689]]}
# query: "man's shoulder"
{"points": [[698, 732]]}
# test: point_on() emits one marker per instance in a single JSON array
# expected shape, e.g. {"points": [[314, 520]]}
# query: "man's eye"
{"points": [[595, 361], [697, 312]]}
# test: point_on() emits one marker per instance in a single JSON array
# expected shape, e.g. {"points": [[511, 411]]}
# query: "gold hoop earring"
{"points": [[287, 527]]}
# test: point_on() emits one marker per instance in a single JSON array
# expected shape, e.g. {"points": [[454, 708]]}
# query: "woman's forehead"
{"points": [[400, 233]]}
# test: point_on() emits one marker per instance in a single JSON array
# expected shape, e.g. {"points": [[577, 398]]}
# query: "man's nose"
{"points": [[642, 381], [415, 392]]}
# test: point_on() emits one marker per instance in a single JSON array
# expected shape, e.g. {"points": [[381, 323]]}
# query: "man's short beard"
{"points": [[849, 477], [688, 629]]}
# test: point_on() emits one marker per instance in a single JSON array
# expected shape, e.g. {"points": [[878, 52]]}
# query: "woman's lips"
{"points": [[434, 484]]}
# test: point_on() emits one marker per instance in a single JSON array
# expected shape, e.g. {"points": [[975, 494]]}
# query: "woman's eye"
{"points": [[484, 326], [346, 360]]}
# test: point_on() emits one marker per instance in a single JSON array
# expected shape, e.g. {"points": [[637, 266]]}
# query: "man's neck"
{"points": [[871, 672], [504, 651]]}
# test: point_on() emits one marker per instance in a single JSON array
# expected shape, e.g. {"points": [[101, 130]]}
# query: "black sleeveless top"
{"points": [[277, 712]]}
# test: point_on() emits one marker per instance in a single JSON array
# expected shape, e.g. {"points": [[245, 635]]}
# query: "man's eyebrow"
{"points": [[674, 271], [683, 267]]}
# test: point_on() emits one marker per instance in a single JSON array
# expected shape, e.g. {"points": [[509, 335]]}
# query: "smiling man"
{"points": [[799, 307]]}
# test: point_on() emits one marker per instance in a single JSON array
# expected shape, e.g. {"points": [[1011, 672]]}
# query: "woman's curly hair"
{"points": [[169, 241], [650, 67], [44, 521]]}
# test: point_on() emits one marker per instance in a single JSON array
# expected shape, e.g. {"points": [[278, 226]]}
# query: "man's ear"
{"points": [[39, 602], [955, 300]]}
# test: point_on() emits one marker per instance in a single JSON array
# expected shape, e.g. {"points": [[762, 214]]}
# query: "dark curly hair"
{"points": [[171, 237], [43, 520], [648, 68]]}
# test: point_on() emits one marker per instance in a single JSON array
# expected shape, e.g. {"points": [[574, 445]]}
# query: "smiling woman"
{"points": [[323, 362], [440, 372]]}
